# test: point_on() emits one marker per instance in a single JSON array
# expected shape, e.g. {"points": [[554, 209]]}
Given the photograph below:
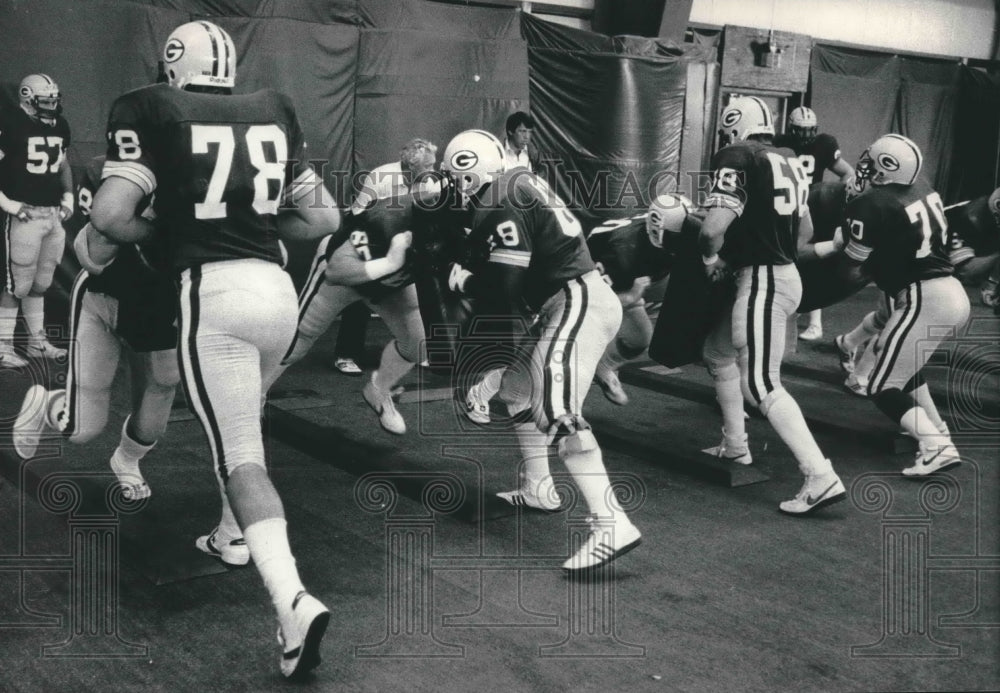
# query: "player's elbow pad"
{"points": [[93, 265]]}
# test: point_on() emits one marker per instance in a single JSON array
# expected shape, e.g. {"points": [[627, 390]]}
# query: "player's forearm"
{"points": [[314, 213], [713, 231], [94, 251], [66, 177], [352, 272], [8, 205], [976, 269]]}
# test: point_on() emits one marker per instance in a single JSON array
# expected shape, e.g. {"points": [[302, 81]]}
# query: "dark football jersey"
{"points": [[900, 233], [31, 154], [624, 252], [827, 202], [972, 230], [132, 270], [219, 165], [766, 187], [519, 222], [817, 156], [370, 233]]}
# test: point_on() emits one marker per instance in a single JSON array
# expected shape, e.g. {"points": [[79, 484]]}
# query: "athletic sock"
{"points": [[864, 331], [8, 321], [268, 544], [787, 420], [33, 310], [392, 367]]}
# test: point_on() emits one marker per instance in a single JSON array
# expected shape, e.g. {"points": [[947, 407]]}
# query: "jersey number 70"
{"points": [[266, 197]]}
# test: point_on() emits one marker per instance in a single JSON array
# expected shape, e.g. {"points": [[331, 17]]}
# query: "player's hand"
{"points": [[65, 213], [640, 285], [838, 239], [457, 277], [398, 246], [717, 271], [15, 209]]}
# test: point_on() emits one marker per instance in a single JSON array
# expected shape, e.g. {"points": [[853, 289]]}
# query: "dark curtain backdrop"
{"points": [[976, 170], [608, 112], [860, 95]]}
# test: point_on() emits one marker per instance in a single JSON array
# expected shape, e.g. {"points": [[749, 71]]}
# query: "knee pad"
{"points": [[769, 399], [893, 402], [722, 372], [573, 436]]}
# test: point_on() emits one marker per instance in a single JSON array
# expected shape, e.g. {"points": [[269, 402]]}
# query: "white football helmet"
{"points": [[39, 97], [743, 117], [200, 54], [667, 213], [475, 158], [890, 159], [802, 123]]}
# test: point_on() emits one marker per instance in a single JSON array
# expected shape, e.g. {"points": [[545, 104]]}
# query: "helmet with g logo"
{"points": [[743, 117], [475, 158], [890, 159], [667, 213], [39, 97], [200, 54]]}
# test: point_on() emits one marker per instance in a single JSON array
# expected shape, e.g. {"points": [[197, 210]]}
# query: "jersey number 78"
{"points": [[266, 197]]}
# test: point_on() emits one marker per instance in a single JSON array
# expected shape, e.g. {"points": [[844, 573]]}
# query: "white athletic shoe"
{"points": [[300, 637], [32, 421], [844, 355], [131, 480], [607, 541], [40, 347], [233, 552], [734, 450], [817, 492], [811, 333], [382, 403], [934, 459], [540, 495], [477, 409], [611, 386], [855, 386], [9, 358]]}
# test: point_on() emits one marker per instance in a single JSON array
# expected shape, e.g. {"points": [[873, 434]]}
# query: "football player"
{"points": [[897, 229], [36, 192], [630, 253], [974, 249], [758, 207], [230, 176], [366, 260], [973, 241], [527, 254], [818, 153], [118, 301]]}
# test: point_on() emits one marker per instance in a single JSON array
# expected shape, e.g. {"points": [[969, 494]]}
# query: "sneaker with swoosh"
{"points": [[934, 459], [844, 355], [233, 552], [817, 492], [301, 635]]}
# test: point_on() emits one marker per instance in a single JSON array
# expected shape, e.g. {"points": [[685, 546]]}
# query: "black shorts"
{"points": [[147, 315]]}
